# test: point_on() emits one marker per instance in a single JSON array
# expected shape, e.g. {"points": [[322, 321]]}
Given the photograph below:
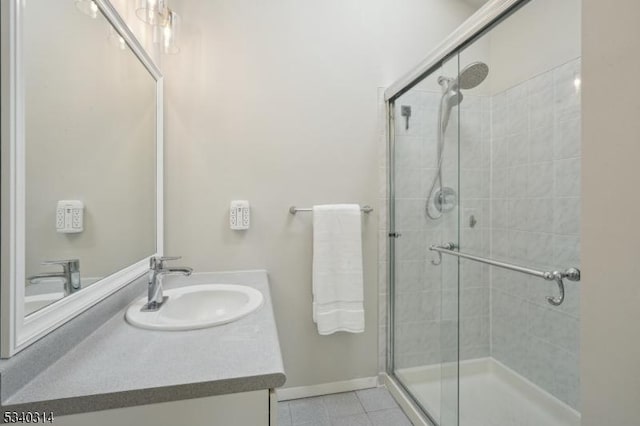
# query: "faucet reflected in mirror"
{"points": [[70, 274], [157, 271], [46, 288]]}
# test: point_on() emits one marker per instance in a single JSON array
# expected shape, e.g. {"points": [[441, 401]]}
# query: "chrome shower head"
{"points": [[472, 75]]}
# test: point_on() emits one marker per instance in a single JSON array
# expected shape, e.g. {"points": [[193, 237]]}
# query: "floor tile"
{"points": [[392, 417], [320, 422], [376, 399], [357, 420], [284, 414], [342, 404], [308, 410], [368, 407]]}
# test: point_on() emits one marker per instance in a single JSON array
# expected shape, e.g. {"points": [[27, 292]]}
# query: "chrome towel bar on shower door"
{"points": [[572, 274]]}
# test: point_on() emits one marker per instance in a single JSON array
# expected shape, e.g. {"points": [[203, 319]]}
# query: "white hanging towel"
{"points": [[338, 296]]}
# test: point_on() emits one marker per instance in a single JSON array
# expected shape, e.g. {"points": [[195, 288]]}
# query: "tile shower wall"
{"points": [[535, 221], [426, 302], [475, 236], [417, 287]]}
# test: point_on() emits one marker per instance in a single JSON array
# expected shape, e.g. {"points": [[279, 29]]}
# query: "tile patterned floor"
{"points": [[369, 407]]}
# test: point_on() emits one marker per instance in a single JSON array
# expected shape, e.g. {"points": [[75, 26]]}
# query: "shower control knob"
{"points": [[445, 199]]}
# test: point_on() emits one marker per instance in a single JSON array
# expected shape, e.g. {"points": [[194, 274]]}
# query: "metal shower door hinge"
{"points": [[394, 235]]}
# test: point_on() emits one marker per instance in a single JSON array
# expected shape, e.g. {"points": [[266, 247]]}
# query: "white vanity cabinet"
{"points": [[256, 408]]}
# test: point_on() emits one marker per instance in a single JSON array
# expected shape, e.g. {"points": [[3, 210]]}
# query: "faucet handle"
{"points": [[66, 263], [157, 262]]}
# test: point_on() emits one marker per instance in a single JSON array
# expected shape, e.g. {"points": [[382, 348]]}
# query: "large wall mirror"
{"points": [[82, 163]]}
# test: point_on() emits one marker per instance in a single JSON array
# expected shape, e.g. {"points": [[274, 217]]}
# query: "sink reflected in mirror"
{"points": [[38, 301], [197, 306], [47, 291]]}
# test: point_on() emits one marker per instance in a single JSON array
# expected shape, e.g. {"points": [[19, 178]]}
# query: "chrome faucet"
{"points": [[157, 270], [70, 274]]}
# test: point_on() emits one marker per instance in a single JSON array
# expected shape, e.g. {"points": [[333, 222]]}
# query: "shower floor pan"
{"points": [[491, 394]]}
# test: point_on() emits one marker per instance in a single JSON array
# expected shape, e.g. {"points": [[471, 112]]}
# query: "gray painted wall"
{"points": [[610, 343], [276, 102]]}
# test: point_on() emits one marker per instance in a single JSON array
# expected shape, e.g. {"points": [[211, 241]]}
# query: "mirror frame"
{"points": [[16, 331]]}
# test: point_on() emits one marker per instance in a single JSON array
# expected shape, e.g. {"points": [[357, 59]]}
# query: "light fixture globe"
{"points": [[171, 34], [153, 12]]}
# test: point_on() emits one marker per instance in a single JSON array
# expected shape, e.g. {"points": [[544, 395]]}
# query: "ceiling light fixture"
{"points": [[166, 22], [171, 33], [153, 12]]}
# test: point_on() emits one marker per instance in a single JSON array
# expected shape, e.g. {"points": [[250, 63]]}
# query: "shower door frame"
{"points": [[484, 19]]}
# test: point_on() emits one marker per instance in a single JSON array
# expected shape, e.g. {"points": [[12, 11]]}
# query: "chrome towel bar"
{"points": [[294, 209], [572, 274]]}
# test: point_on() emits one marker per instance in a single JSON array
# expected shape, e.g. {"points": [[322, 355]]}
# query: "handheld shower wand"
{"points": [[471, 76]]}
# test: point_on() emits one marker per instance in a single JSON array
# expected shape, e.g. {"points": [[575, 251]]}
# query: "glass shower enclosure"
{"points": [[484, 214]]}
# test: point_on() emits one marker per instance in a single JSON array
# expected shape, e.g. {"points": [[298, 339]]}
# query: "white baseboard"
{"points": [[405, 403], [286, 394]]}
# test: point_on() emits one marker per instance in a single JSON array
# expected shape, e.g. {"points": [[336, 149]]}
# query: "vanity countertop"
{"points": [[119, 365]]}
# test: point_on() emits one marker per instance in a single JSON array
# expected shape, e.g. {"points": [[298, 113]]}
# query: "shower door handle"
{"points": [[447, 246], [571, 274]]}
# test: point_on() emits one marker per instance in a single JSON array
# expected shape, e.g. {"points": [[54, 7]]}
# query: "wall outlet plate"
{"points": [[70, 216], [239, 215]]}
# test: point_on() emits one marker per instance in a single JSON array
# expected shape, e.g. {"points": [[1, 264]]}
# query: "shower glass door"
{"points": [[424, 212], [486, 162]]}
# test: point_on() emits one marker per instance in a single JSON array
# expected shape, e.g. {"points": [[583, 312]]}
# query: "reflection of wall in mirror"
{"points": [[90, 136]]}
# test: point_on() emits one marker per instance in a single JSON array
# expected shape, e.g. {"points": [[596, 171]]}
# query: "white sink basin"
{"points": [[197, 306]]}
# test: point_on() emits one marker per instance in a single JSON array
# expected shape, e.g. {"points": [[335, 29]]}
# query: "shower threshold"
{"points": [[491, 394]]}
